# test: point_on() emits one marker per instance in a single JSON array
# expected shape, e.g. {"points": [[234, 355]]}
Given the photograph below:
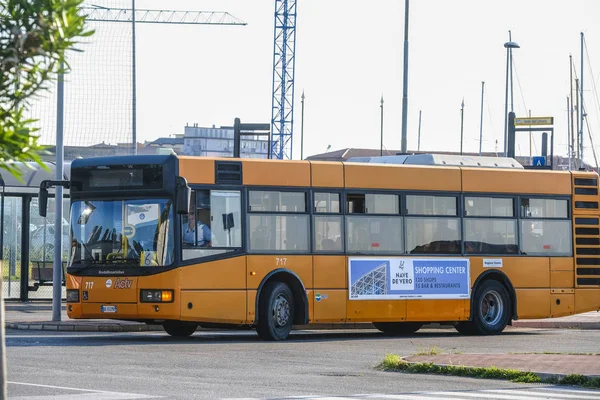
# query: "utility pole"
{"points": [[301, 128], [571, 109], [58, 202], [569, 135], [481, 118], [419, 134], [530, 138], [578, 111], [133, 82], [405, 80], [381, 148], [462, 113], [582, 112]]}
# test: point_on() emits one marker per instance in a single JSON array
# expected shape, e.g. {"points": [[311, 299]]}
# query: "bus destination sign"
{"points": [[534, 121]]}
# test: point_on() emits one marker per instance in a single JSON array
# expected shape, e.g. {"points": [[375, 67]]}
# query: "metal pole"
{"points": [[133, 81], [481, 117], [581, 114], [569, 137], [381, 125], [530, 136], [57, 268], [572, 126], [577, 110], [506, 103], [405, 80], [3, 387], [419, 137], [512, 102], [462, 113], [302, 129]]}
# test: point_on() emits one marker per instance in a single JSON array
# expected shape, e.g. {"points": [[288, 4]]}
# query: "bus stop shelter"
{"points": [[27, 255]]}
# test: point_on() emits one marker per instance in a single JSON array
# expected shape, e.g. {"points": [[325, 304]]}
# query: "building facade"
{"points": [[219, 142]]}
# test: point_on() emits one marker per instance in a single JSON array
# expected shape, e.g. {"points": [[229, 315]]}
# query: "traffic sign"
{"points": [[534, 121], [539, 161]]}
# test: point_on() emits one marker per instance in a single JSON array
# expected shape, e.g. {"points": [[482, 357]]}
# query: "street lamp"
{"points": [[509, 46]]}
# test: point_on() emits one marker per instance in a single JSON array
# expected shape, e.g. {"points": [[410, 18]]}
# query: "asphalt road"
{"points": [[239, 365]]}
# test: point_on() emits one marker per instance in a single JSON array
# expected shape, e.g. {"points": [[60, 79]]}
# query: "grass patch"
{"points": [[393, 362]]}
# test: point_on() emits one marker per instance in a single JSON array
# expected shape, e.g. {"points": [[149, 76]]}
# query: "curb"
{"points": [[544, 324], [91, 326], [77, 327], [542, 375]]}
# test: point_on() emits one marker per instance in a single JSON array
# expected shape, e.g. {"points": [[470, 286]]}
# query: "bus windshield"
{"points": [[122, 233]]}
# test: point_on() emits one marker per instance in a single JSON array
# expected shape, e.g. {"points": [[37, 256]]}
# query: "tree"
{"points": [[34, 38]]}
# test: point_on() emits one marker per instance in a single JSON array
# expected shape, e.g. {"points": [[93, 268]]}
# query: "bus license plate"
{"points": [[108, 309]]}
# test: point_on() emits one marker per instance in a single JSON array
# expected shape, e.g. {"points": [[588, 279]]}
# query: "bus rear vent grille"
{"points": [[586, 193], [228, 172], [587, 250]]}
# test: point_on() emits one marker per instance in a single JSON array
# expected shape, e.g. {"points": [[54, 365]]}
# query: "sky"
{"points": [[350, 54]]}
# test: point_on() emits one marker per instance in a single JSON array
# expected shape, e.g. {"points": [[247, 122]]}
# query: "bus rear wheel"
{"points": [[276, 312], [398, 328], [179, 329], [491, 310]]}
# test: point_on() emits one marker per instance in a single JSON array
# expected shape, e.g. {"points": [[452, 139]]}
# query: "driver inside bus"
{"points": [[201, 226]]}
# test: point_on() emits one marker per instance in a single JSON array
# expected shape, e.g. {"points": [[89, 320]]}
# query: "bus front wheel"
{"points": [[276, 312], [179, 329], [398, 328]]}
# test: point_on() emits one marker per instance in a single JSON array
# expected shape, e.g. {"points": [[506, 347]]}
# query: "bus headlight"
{"points": [[156, 296], [72, 295]]}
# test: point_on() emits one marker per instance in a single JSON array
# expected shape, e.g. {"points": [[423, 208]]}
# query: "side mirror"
{"points": [[183, 194], [43, 200]]}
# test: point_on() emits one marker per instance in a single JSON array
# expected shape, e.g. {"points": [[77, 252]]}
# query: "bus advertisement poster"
{"points": [[408, 278]]}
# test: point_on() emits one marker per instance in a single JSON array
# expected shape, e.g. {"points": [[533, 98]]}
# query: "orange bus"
{"points": [[187, 242]]}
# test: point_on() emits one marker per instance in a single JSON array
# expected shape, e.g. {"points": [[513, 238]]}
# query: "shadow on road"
{"points": [[83, 339]]}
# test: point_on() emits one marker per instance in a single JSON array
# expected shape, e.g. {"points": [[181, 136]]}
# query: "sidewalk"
{"points": [[38, 316]]}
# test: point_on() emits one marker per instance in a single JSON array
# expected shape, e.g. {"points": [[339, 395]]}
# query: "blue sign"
{"points": [[408, 278], [539, 161]]}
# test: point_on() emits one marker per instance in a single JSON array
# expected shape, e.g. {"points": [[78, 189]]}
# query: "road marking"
{"points": [[86, 396], [547, 395], [90, 395], [536, 393]]}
